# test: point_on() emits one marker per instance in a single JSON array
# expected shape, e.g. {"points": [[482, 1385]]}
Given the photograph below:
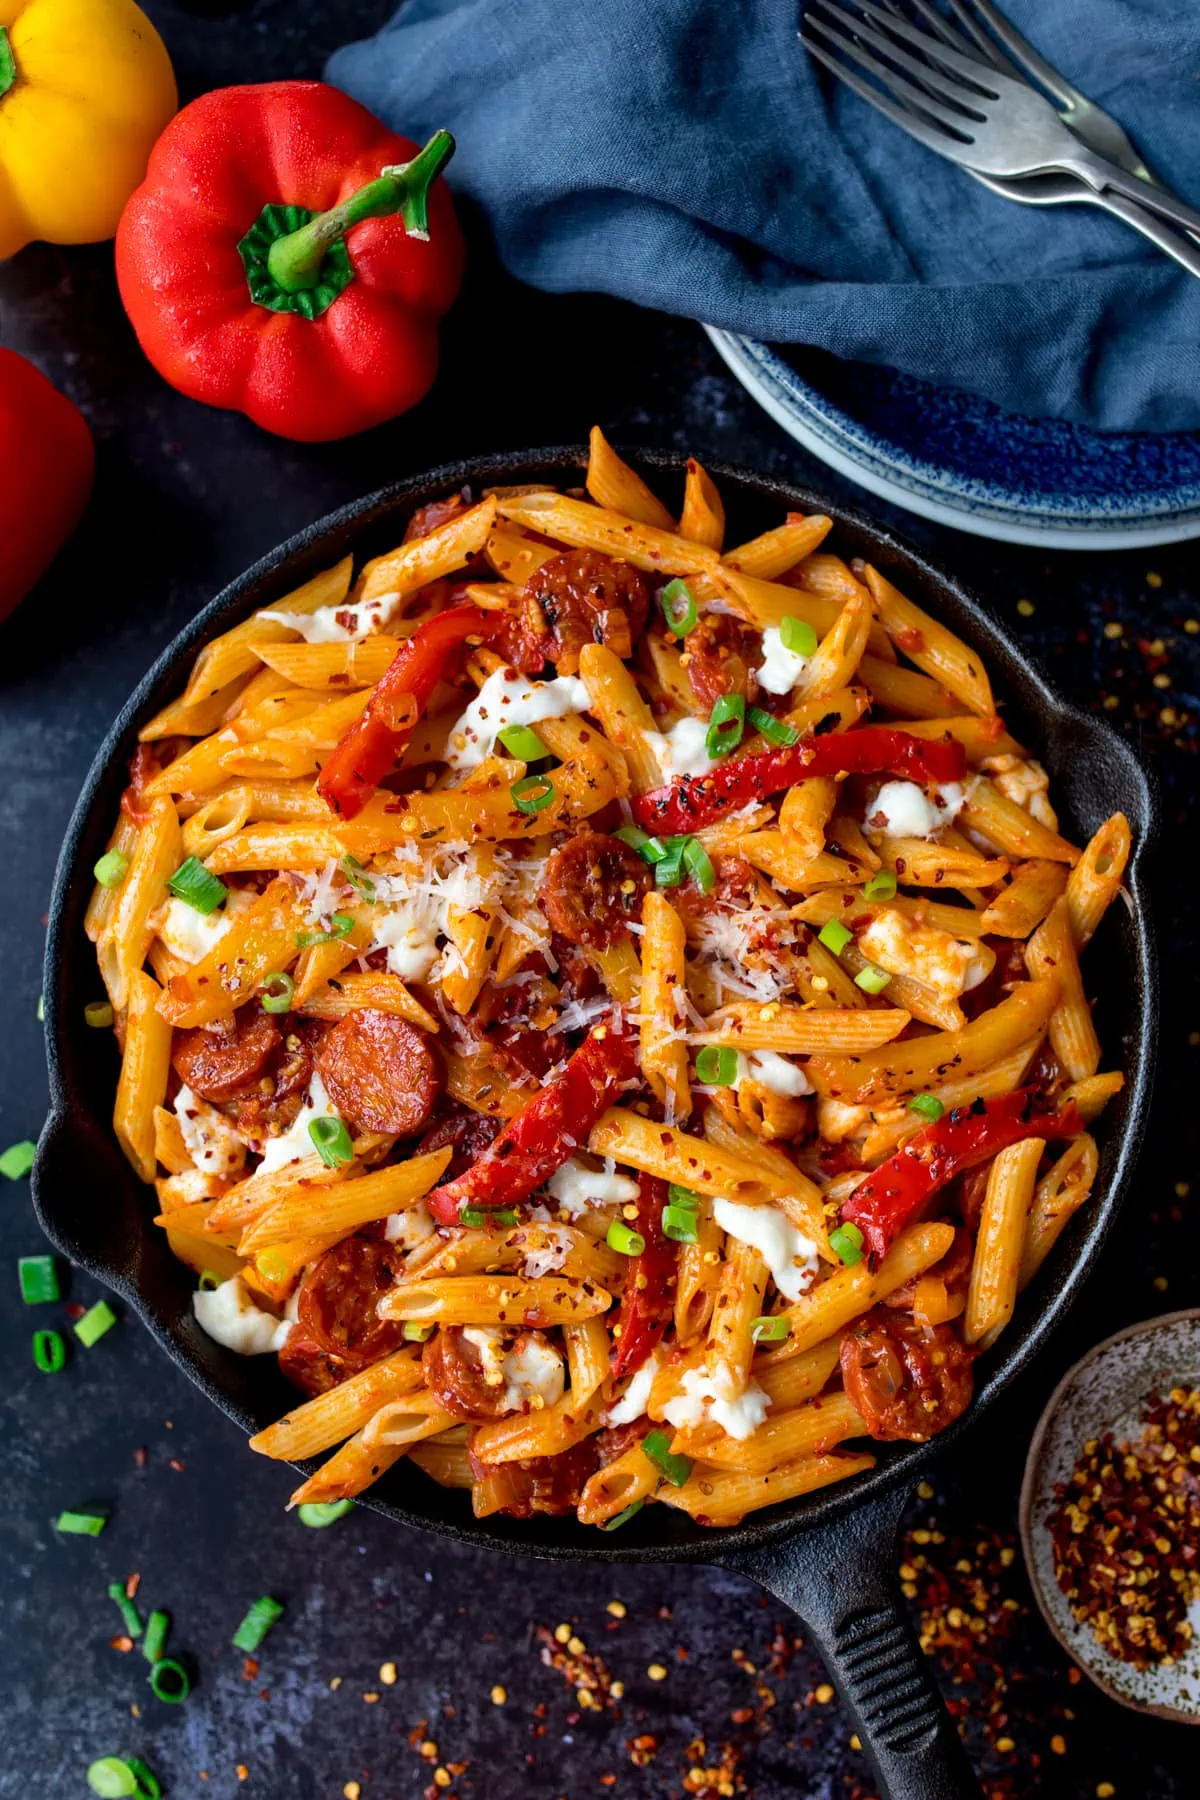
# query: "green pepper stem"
{"points": [[8, 64], [294, 262]]}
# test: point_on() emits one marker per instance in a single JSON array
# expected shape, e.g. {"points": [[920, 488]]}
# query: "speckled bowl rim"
{"points": [[1168, 515], [1029, 1526]]}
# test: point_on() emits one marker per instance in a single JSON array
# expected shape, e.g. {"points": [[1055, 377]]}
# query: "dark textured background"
{"points": [[185, 499]]}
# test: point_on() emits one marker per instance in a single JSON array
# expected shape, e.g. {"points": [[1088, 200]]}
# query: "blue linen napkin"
{"points": [[690, 156]]}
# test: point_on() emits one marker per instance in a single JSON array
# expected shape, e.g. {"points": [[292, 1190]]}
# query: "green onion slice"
{"points": [[95, 1322], [679, 1224], [681, 1196], [319, 1513], [532, 793], [170, 1681], [112, 1778], [332, 1141], [657, 1446], [522, 743], [480, 1216], [717, 1065], [340, 926], [201, 890], [49, 1351], [698, 864], [776, 731], [357, 876], [148, 1785], [98, 1014], [872, 979], [38, 1278], [41, 1009], [624, 1240], [17, 1160], [81, 1524], [928, 1106], [668, 870], [726, 723], [130, 1616], [208, 1282], [158, 1628], [678, 608], [624, 1516], [278, 992], [110, 870], [256, 1624], [416, 1332], [835, 936], [769, 1328], [797, 635], [882, 885], [846, 1242], [634, 836]]}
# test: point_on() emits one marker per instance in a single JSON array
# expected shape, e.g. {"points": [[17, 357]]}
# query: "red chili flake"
{"points": [[139, 1457], [249, 1668], [74, 1309], [121, 1643], [132, 1585], [176, 1465]]}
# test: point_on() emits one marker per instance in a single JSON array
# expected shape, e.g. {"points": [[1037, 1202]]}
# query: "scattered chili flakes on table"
{"points": [[1126, 1533]]}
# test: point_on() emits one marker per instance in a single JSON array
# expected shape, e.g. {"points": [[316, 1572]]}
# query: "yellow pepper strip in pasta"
{"points": [[332, 1417], [496, 1300], [480, 1081], [835, 1302], [724, 1496], [703, 516], [928, 643], [613, 484], [262, 939]]}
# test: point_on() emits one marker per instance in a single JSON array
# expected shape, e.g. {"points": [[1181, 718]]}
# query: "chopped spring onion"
{"points": [[480, 1216], [209, 1282], [717, 1066], [49, 1351], [279, 990], [726, 723], [882, 885], [112, 1778], [319, 1513], [130, 1616], [624, 1240], [357, 876], [776, 731], [624, 1516], [679, 1224], [681, 1196], [158, 1628], [523, 743], [797, 635], [41, 1009], [340, 926], [634, 836], [98, 1014], [698, 864], [17, 1160], [256, 1624], [668, 870], [532, 793], [835, 936], [657, 1446], [148, 1786], [846, 1242], [38, 1277], [769, 1328], [273, 1265], [872, 979], [416, 1333], [193, 883], [928, 1106], [95, 1322], [81, 1524], [170, 1681], [110, 870], [332, 1141], [678, 608]]}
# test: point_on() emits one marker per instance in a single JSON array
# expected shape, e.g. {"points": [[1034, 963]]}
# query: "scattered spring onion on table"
{"points": [[49, 1351], [95, 1322], [81, 1524], [17, 1160], [256, 1624], [319, 1513], [38, 1279]]}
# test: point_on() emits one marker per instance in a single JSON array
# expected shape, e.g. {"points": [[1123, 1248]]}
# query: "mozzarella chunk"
{"points": [[706, 1394], [531, 1373], [902, 809], [189, 934], [505, 699], [229, 1316], [410, 1227], [781, 668], [549, 1255], [633, 1402], [789, 1255], [294, 1143], [410, 938], [683, 750], [212, 1143], [575, 1187], [905, 946], [1026, 783], [338, 624], [778, 1074]]}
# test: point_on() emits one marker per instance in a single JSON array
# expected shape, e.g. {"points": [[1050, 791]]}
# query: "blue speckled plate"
{"points": [[953, 457]]}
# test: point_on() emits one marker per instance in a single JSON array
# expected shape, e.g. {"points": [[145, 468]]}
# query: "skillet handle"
{"points": [[842, 1582]]}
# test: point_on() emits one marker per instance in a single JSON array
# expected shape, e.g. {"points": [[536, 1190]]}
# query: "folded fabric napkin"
{"points": [[690, 156]]}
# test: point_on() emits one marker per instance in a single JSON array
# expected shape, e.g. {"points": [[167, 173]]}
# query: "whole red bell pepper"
{"points": [[289, 257], [892, 1196], [47, 461], [648, 1300], [547, 1130], [371, 747], [694, 801]]}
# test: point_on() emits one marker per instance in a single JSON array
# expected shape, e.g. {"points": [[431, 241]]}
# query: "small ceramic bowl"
{"points": [[1104, 1392]]}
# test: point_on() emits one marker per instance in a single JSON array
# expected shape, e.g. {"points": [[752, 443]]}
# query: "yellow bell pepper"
{"points": [[86, 87]]}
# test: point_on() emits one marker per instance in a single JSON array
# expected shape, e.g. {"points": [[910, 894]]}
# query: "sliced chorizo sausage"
{"points": [[541, 1484], [720, 656], [337, 1299], [592, 887], [380, 1073], [467, 1134], [219, 1062], [454, 1372], [907, 1381], [307, 1366], [583, 597]]}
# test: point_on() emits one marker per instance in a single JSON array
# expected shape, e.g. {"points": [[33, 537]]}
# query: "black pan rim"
{"points": [[300, 555]]}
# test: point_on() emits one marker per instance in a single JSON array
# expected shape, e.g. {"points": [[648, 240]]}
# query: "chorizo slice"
{"points": [[307, 1366], [592, 887], [584, 597], [907, 1381], [466, 1134], [380, 1073], [540, 1484], [336, 1302], [222, 1061], [720, 657], [454, 1372]]}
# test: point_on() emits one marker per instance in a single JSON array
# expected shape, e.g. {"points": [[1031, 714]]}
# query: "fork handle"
{"points": [[1183, 250], [1101, 174]]}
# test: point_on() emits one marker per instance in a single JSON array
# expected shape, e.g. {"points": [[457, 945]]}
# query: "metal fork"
{"points": [[968, 111], [1098, 129]]}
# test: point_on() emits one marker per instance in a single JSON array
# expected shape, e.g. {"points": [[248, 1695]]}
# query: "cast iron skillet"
{"points": [[830, 1554]]}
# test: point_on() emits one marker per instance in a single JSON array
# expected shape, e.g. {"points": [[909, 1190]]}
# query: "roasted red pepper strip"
{"points": [[371, 747], [891, 1197], [694, 801], [648, 1300], [546, 1131]]}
